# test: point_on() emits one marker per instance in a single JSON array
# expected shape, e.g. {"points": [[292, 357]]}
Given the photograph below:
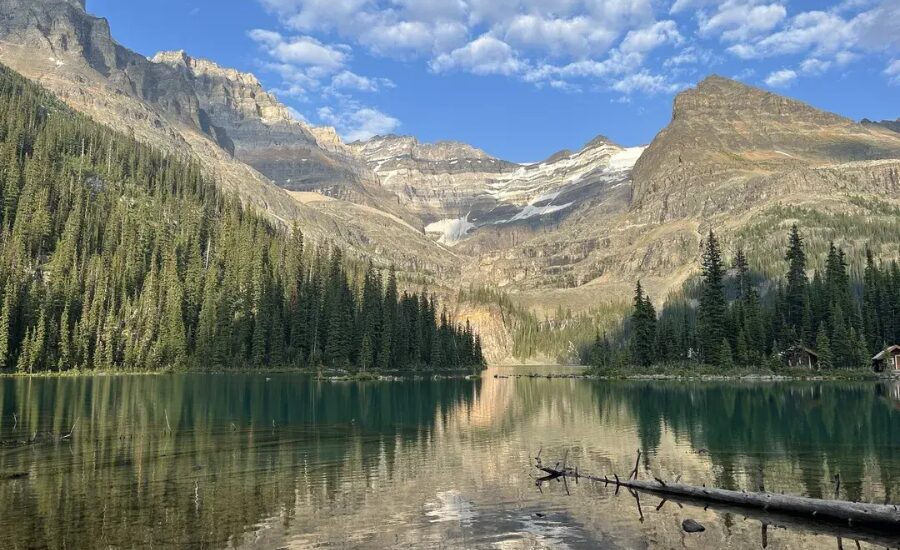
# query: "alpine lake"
{"points": [[286, 461]]}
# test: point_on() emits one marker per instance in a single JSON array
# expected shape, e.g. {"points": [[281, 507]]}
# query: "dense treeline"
{"points": [[734, 317], [115, 256]]}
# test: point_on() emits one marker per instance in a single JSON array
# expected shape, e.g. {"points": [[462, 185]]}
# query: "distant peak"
{"points": [[717, 97], [599, 141], [176, 57]]}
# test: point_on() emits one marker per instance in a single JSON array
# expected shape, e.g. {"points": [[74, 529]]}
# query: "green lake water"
{"points": [[283, 461]]}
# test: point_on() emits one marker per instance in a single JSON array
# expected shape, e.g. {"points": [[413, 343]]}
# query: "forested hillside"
{"points": [[736, 317], [115, 256]]}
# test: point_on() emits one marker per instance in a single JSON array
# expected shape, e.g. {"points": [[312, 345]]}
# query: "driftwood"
{"points": [[876, 523]]}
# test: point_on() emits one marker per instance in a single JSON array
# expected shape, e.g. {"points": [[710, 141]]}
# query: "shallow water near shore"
{"points": [[285, 461]]}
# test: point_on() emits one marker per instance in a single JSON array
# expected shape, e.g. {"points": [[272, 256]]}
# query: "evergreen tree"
{"points": [[823, 348], [797, 283], [713, 305], [643, 319]]}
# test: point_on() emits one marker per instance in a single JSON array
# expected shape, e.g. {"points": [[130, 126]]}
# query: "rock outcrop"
{"points": [[265, 135]]}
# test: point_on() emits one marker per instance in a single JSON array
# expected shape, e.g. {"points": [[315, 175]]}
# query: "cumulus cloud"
{"points": [[356, 123], [814, 66], [523, 38], [835, 33], [651, 37], [572, 44], [781, 79], [348, 80], [575, 36], [644, 82], [691, 55], [484, 55], [305, 51], [740, 20]]}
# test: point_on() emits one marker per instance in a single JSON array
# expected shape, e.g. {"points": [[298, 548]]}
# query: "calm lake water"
{"points": [[287, 462]]}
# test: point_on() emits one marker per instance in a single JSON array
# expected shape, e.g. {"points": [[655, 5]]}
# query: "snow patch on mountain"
{"points": [[451, 230]]}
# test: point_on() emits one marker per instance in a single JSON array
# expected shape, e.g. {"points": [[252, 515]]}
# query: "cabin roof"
{"points": [[890, 350], [798, 348]]}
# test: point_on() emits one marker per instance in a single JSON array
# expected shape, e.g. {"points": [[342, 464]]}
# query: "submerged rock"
{"points": [[691, 526]]}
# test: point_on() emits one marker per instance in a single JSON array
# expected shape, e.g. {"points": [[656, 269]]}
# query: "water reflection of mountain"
{"points": [[814, 430], [197, 460], [233, 460]]}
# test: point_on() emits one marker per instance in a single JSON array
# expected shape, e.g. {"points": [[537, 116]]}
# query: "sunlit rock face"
{"points": [[263, 133], [457, 189]]}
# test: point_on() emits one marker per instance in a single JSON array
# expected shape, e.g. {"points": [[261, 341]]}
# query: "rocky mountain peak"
{"points": [[726, 131], [726, 100], [328, 138], [225, 89]]}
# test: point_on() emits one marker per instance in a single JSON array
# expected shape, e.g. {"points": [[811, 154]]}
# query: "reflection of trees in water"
{"points": [[240, 450], [820, 428]]}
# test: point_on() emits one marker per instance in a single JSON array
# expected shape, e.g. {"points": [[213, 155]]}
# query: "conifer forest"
{"points": [[114, 256], [736, 317]]}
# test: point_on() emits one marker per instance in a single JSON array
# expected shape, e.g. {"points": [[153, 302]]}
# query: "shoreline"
{"points": [[326, 375], [339, 375]]}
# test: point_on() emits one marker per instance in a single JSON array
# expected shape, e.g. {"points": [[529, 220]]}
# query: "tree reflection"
{"points": [[198, 460], [818, 429]]}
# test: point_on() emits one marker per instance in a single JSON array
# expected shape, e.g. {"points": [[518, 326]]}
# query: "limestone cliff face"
{"points": [[263, 134], [436, 181]]}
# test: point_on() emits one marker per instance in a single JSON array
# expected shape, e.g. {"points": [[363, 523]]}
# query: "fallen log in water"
{"points": [[884, 517]]}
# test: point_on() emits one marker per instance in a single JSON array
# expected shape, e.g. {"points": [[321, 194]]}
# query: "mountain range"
{"points": [[572, 232]]}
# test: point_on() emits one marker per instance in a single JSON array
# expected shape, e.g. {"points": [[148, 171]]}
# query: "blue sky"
{"points": [[525, 78]]}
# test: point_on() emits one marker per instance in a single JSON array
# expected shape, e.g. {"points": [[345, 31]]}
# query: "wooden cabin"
{"points": [[887, 360], [800, 357]]}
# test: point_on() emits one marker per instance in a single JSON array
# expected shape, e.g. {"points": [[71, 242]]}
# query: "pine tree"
{"points": [[823, 348], [841, 343], [643, 319], [388, 351], [797, 283], [713, 306]]}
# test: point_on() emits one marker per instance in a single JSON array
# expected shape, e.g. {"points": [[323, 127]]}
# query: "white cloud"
{"points": [[410, 38], [814, 66], [824, 34], [892, 71], [625, 45], [505, 37], [348, 80], [741, 20], [644, 82], [576, 36], [691, 55], [302, 50], [358, 123], [650, 37], [684, 5], [781, 79], [484, 55]]}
